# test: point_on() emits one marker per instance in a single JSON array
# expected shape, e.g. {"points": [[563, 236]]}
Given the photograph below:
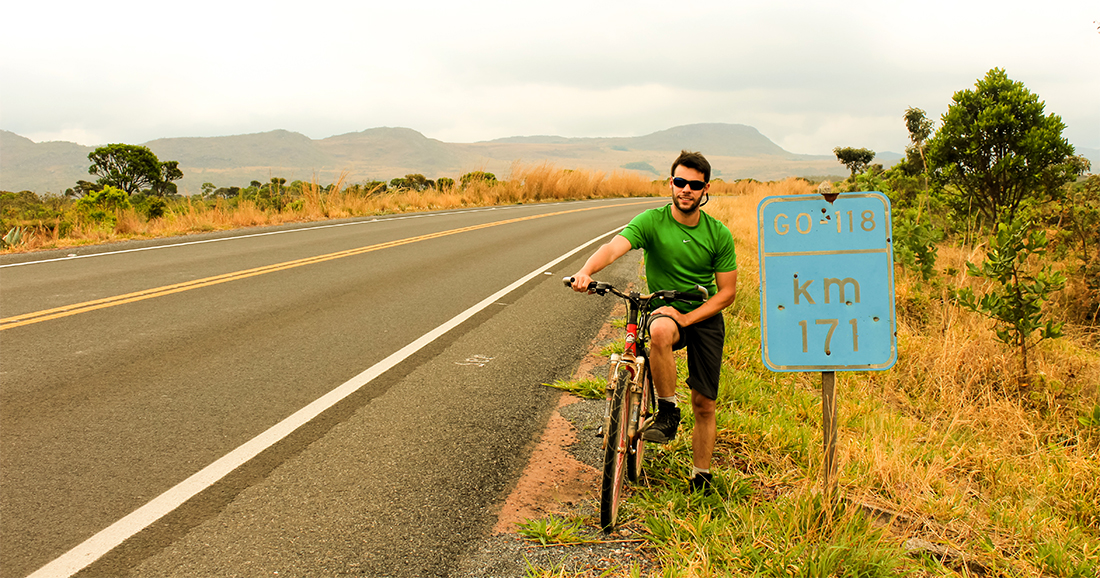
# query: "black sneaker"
{"points": [[703, 482], [664, 426]]}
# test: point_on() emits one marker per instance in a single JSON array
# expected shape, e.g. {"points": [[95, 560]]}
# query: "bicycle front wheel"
{"points": [[616, 452]]}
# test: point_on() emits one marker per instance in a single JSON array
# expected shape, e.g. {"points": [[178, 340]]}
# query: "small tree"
{"points": [[169, 171], [998, 149], [855, 159], [419, 182], [920, 128], [1016, 303], [133, 168], [83, 188]]}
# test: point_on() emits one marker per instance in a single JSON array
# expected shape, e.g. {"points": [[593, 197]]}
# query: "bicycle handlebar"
{"points": [[600, 288]]}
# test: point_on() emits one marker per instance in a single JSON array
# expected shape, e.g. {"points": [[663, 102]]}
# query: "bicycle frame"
{"points": [[634, 360]]}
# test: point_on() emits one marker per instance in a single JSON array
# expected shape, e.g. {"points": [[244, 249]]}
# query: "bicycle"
{"points": [[631, 397]]}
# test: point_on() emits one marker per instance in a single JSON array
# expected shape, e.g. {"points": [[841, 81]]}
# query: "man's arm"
{"points": [[604, 256], [727, 290]]}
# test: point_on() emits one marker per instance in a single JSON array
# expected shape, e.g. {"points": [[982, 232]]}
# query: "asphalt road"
{"points": [[130, 368]]}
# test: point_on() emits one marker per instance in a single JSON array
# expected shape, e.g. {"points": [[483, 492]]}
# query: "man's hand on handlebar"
{"points": [[581, 283]]}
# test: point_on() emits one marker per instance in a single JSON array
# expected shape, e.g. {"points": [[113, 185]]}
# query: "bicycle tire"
{"points": [[616, 453], [635, 464]]}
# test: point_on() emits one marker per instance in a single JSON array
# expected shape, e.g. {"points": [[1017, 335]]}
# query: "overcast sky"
{"points": [[810, 75]]}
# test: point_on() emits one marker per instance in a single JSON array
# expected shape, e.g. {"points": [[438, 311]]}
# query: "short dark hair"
{"points": [[693, 160]]}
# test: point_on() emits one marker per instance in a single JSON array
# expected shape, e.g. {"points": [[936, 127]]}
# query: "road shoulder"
{"points": [[562, 480]]}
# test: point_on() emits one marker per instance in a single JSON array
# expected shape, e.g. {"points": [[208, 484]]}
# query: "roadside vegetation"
{"points": [[948, 465], [978, 453], [106, 211]]}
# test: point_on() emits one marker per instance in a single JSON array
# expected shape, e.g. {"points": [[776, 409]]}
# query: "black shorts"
{"points": [[704, 342]]}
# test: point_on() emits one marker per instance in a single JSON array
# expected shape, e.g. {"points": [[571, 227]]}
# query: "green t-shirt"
{"points": [[679, 257]]}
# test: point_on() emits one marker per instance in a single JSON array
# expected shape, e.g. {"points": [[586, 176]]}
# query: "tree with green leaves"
{"points": [[855, 159], [920, 128], [133, 168], [998, 149], [169, 171], [1015, 302]]}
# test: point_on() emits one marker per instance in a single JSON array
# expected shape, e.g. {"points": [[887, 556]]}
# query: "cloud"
{"points": [[809, 75]]}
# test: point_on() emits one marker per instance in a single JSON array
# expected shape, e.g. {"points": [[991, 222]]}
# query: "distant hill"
{"points": [[735, 151], [40, 167]]}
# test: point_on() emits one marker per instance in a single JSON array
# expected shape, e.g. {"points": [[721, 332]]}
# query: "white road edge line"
{"points": [[109, 538]]}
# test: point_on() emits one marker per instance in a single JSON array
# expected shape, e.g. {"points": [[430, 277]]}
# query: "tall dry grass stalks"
{"points": [[526, 184]]}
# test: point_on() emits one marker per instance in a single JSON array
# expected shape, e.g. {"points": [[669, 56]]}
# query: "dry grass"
{"points": [[527, 184]]}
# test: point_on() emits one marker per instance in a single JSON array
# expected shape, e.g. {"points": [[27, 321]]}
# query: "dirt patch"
{"points": [[554, 481]]}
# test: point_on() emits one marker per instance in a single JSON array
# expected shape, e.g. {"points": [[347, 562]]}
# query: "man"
{"points": [[683, 247]]}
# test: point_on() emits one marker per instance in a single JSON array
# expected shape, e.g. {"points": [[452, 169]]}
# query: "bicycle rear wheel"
{"points": [[644, 410], [615, 452]]}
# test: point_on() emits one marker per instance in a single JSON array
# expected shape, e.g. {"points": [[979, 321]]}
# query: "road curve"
{"points": [[105, 409]]}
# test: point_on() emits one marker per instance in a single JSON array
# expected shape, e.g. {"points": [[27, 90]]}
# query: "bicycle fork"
{"points": [[633, 397]]}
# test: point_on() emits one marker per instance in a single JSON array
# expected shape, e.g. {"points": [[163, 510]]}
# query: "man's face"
{"points": [[684, 198]]}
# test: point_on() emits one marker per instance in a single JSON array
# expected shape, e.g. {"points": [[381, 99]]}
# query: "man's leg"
{"points": [[706, 429], [663, 335], [704, 370]]}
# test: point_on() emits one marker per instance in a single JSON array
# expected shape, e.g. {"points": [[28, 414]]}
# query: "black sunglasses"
{"points": [[681, 182]]}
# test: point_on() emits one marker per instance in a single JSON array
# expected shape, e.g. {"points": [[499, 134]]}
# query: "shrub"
{"points": [[477, 177], [104, 205], [150, 207]]}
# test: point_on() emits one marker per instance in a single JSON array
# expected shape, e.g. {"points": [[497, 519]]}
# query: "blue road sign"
{"points": [[826, 283]]}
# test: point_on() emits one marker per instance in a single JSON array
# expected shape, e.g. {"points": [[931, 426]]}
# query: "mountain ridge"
{"points": [[382, 153]]}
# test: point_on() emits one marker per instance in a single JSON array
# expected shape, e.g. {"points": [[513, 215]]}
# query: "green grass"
{"points": [[583, 388], [556, 530], [616, 346]]}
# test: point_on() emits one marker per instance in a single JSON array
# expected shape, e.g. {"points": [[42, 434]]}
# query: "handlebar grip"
{"points": [[592, 285], [688, 296]]}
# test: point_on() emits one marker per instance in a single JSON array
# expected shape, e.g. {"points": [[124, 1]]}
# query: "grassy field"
{"points": [[947, 467]]}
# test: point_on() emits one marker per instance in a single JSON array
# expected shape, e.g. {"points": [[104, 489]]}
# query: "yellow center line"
{"points": [[75, 309]]}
